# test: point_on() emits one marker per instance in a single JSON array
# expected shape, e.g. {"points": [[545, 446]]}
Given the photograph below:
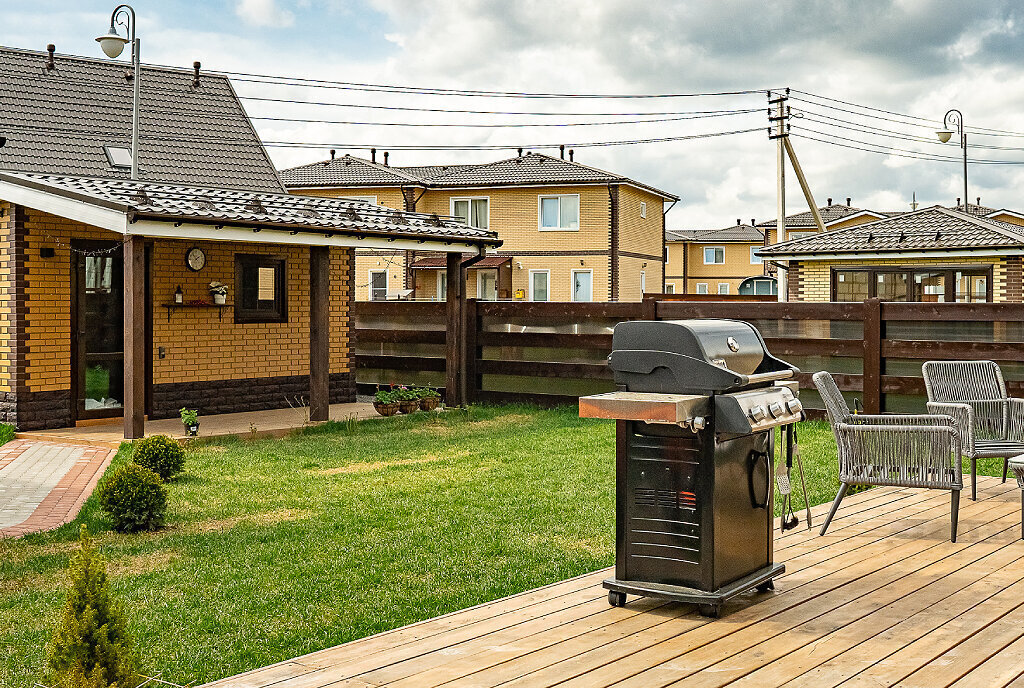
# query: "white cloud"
{"points": [[263, 13]]}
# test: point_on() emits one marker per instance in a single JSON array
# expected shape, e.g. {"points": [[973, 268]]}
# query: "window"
{"points": [[714, 255], [932, 284], [643, 209], [582, 285], [539, 280], [754, 258], [723, 287], [475, 212], [799, 235], [702, 287], [643, 282], [378, 285], [118, 156], [559, 212], [670, 288], [442, 285], [487, 285], [260, 289], [363, 199]]}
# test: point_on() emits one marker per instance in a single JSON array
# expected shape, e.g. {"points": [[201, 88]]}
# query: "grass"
{"points": [[275, 548]]}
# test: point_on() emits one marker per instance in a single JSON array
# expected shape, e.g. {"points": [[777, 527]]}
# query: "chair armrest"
{"points": [[900, 419], [963, 414], [922, 455], [1015, 419]]}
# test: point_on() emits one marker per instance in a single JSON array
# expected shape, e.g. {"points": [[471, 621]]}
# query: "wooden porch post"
{"points": [[319, 332], [455, 339], [134, 337]]}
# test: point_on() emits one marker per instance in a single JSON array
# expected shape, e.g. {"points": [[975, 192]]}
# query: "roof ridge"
{"points": [[369, 163], [107, 61], [984, 222]]}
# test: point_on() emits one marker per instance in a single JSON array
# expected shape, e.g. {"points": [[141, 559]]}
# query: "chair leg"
{"points": [[1006, 466], [1022, 514], [843, 487], [954, 512], [974, 479]]}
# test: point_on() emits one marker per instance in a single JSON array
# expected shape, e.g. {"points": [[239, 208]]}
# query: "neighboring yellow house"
{"points": [[570, 232], [934, 254], [717, 261]]}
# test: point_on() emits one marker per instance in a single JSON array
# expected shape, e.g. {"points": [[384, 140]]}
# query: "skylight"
{"points": [[118, 156]]}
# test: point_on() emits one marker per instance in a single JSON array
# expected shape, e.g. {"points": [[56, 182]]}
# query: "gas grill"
{"points": [[697, 404]]}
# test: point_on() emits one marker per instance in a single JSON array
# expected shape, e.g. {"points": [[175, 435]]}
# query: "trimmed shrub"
{"points": [[90, 647], [135, 499], [160, 454]]}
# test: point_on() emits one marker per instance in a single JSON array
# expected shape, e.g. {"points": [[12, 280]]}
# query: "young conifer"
{"points": [[90, 647]]}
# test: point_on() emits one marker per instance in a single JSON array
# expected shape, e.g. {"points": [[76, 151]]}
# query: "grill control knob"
{"points": [[757, 413], [794, 406], [698, 423], [775, 408]]}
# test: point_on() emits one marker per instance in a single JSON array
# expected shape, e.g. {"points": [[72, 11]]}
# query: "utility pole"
{"points": [[778, 130]]}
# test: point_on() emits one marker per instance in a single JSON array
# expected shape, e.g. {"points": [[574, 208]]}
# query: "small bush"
{"points": [[135, 499], [160, 454], [6, 433], [90, 647]]}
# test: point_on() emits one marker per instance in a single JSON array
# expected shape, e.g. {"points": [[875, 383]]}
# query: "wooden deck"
{"points": [[883, 599]]}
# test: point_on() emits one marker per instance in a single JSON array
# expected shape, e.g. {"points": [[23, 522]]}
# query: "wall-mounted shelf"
{"points": [[219, 306]]}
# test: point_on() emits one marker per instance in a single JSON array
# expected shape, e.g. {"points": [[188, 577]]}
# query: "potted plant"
{"points": [[429, 398], [190, 419], [219, 292], [408, 400], [384, 402]]}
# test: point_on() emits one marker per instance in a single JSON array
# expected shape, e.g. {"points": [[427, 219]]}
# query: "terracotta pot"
{"points": [[388, 409], [429, 403], [409, 406]]}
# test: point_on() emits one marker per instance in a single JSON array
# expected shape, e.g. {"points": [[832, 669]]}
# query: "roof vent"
{"points": [[570, 154], [957, 201], [50, 63], [373, 155], [129, 75], [738, 221], [561, 151], [348, 159], [979, 200], [519, 152], [195, 73], [332, 154], [848, 200], [255, 206], [385, 158], [119, 157], [752, 223], [828, 201]]}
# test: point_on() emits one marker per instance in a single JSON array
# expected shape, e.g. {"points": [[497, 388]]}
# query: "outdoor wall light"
{"points": [[519, 265], [112, 45]]}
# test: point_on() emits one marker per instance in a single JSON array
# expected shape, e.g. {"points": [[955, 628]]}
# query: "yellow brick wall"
{"points": [[367, 260], [199, 346], [640, 234], [387, 196], [1012, 219], [816, 276], [7, 357]]}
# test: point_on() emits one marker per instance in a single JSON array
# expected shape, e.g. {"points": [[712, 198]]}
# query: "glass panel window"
{"points": [[764, 287], [891, 286], [560, 212], [442, 285], [852, 285], [670, 288], [714, 255], [582, 285], [702, 287], [378, 285], [754, 258], [643, 209], [260, 289], [930, 286], [723, 287], [471, 211], [539, 285], [643, 282], [487, 285], [971, 287], [460, 209]]}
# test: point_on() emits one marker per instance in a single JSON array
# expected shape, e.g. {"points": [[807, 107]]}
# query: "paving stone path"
{"points": [[44, 484]]}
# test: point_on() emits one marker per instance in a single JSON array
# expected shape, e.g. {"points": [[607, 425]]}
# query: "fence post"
{"points": [[648, 309], [871, 380], [455, 336], [470, 329]]}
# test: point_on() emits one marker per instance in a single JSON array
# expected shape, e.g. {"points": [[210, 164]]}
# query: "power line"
{"points": [[898, 152], [875, 131]]}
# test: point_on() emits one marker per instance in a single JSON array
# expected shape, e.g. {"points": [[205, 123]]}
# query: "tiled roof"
{"points": [[929, 229], [179, 202], [531, 168], [57, 122], [736, 233], [829, 213], [440, 262]]}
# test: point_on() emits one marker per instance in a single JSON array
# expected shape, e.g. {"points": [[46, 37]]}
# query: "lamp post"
{"points": [[955, 118], [112, 44]]}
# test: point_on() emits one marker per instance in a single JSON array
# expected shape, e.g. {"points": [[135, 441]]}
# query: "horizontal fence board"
{"points": [[929, 350], [378, 335], [975, 312], [546, 340], [400, 362], [435, 309], [678, 310], [847, 382], [586, 371], [551, 309], [794, 346], [545, 400]]}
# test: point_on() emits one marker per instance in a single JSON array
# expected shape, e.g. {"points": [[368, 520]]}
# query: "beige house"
{"points": [[570, 232], [717, 261]]}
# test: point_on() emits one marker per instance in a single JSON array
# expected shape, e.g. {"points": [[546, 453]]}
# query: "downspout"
{"points": [[664, 247]]}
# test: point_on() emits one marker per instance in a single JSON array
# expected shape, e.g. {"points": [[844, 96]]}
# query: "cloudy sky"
{"points": [[913, 57]]}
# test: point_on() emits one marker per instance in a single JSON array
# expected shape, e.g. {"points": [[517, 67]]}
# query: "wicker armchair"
{"points": [[973, 392], [896, 450]]}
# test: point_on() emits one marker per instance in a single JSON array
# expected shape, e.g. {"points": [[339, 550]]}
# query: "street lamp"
{"points": [[112, 44], [955, 118]]}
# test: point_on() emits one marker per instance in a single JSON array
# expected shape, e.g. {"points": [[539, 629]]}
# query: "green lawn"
{"points": [[275, 548]]}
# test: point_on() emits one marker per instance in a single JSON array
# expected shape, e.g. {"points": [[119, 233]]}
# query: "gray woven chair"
{"points": [[1017, 466], [973, 392], [896, 450]]}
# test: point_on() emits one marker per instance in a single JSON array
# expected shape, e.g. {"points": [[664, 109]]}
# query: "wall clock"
{"points": [[195, 259]]}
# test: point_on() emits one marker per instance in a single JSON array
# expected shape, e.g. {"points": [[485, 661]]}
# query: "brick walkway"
{"points": [[44, 484]]}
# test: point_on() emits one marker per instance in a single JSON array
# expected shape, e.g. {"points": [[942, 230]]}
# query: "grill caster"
{"points": [[766, 586], [709, 610], [616, 599]]}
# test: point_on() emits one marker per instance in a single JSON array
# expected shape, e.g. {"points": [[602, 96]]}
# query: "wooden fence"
{"points": [[552, 353]]}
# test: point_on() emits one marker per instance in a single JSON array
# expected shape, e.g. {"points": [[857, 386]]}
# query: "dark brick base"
{"points": [[252, 394], [37, 410]]}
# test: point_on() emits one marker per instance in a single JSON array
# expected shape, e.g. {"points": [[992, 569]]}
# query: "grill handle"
{"points": [[758, 378]]}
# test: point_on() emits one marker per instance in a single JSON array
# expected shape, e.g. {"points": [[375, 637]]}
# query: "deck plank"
{"points": [[883, 599]]}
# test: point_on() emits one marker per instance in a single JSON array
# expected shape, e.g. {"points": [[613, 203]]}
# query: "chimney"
{"points": [[561, 151], [332, 154], [957, 201], [829, 201], [50, 64], [979, 200], [373, 155], [195, 76], [570, 154], [385, 158], [738, 221], [848, 201], [752, 223], [519, 152]]}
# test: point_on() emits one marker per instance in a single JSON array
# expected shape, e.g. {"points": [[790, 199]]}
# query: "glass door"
{"points": [[98, 337], [487, 285], [582, 285]]}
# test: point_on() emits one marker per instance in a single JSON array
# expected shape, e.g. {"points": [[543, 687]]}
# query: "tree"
{"points": [[91, 647]]}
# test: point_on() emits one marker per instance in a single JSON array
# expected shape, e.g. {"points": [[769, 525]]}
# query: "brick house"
{"points": [[933, 254], [90, 322], [571, 232]]}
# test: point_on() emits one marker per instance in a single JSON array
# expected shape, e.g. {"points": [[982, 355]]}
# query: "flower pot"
{"points": [[192, 430], [383, 409], [429, 403], [409, 406], [220, 299]]}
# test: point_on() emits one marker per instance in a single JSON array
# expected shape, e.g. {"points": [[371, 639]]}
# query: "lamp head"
{"points": [[944, 135], [111, 43]]}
